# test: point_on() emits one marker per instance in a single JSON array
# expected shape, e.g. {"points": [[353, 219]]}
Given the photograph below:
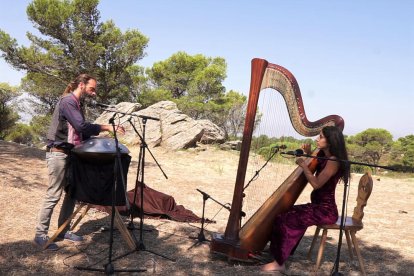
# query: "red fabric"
{"points": [[157, 204]]}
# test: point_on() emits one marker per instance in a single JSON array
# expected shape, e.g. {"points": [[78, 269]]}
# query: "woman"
{"points": [[290, 227]]}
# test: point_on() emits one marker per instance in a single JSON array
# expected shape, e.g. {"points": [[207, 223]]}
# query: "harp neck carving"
{"points": [[284, 82]]}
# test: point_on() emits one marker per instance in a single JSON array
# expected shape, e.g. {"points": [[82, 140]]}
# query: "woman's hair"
{"points": [[337, 148], [84, 78]]}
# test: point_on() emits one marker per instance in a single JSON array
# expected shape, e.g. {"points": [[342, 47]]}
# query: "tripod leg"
{"points": [[63, 226], [81, 216], [126, 235]]}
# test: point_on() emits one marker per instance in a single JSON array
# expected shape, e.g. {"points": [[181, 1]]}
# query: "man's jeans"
{"points": [[57, 164]]}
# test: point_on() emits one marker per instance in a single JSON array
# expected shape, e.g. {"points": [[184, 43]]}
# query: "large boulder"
{"points": [[124, 107], [212, 132], [172, 130], [176, 130]]}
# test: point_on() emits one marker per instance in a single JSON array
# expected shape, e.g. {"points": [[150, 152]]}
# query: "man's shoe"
{"points": [[70, 237], [41, 241]]}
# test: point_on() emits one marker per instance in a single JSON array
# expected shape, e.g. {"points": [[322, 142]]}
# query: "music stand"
{"points": [[109, 267], [140, 181]]}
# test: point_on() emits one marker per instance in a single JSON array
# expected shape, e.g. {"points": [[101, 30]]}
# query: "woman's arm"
{"points": [[318, 181]]}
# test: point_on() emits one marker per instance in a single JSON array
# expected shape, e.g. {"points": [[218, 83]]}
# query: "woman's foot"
{"points": [[272, 267]]}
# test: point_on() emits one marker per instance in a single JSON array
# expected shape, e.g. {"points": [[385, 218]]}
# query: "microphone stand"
{"points": [[201, 237], [143, 146], [109, 267], [140, 172], [342, 223], [299, 154]]}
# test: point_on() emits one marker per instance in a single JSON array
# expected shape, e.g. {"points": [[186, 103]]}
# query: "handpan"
{"points": [[99, 149], [92, 171]]}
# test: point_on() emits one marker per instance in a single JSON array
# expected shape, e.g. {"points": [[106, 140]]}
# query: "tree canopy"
{"points": [[195, 83], [370, 145], [72, 41], [8, 114], [191, 76]]}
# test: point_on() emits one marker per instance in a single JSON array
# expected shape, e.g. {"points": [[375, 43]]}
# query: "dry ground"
{"points": [[386, 241]]}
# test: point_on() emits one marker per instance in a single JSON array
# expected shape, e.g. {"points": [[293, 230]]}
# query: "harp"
{"points": [[239, 242]]}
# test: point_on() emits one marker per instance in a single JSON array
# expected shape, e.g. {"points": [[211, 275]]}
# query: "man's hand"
{"points": [[120, 129]]}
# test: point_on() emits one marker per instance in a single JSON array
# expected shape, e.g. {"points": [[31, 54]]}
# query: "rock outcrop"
{"points": [[173, 130]]}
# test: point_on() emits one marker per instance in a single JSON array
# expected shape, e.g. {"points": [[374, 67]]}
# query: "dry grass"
{"points": [[386, 241]]}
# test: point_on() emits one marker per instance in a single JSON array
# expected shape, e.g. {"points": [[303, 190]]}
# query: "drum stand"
{"points": [[109, 267], [140, 181]]}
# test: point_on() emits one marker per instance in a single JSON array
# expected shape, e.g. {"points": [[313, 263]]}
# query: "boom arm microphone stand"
{"points": [[201, 237], [140, 172], [143, 146], [299, 153]]}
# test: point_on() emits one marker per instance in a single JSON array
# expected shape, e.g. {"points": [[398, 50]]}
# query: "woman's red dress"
{"points": [[290, 227]]}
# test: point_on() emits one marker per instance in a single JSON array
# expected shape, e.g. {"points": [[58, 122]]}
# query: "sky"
{"points": [[351, 58]]}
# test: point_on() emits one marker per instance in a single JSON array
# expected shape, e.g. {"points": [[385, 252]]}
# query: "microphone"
{"points": [[276, 148], [203, 193], [298, 152], [95, 103], [279, 147], [148, 117]]}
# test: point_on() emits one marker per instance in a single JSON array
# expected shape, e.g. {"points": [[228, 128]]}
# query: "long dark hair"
{"points": [[337, 148], [84, 78]]}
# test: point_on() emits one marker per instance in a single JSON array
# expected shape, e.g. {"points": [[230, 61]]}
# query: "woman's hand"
{"points": [[300, 161], [307, 149]]}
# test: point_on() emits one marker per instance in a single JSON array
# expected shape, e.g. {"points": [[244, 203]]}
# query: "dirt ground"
{"points": [[387, 240]]}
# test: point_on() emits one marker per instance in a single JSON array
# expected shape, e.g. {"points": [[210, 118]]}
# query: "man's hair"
{"points": [[84, 78]]}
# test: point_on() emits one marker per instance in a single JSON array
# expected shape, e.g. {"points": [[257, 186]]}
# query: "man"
{"points": [[68, 128]]}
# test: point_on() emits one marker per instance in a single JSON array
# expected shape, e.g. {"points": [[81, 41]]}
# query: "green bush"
{"points": [[21, 133]]}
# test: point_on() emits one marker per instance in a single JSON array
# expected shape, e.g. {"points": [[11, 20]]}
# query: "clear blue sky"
{"points": [[351, 58]]}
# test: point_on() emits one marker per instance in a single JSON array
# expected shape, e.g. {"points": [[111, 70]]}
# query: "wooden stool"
{"points": [[352, 225]]}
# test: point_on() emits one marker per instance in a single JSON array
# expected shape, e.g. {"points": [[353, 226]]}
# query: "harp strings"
{"points": [[262, 180]]}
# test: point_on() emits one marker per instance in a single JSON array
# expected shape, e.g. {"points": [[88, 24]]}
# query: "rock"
{"points": [[231, 145], [174, 130], [212, 133]]}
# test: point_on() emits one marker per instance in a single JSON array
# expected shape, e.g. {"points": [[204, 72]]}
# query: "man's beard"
{"points": [[85, 94]]}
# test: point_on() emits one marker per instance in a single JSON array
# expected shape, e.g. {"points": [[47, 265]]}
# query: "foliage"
{"points": [[227, 111], [39, 125], [21, 133], [150, 97], [402, 154], [194, 83], [197, 77], [370, 145], [73, 41], [8, 114], [266, 146], [235, 113]]}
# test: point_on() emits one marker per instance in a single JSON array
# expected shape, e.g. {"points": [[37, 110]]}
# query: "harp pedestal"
{"points": [[232, 249]]}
